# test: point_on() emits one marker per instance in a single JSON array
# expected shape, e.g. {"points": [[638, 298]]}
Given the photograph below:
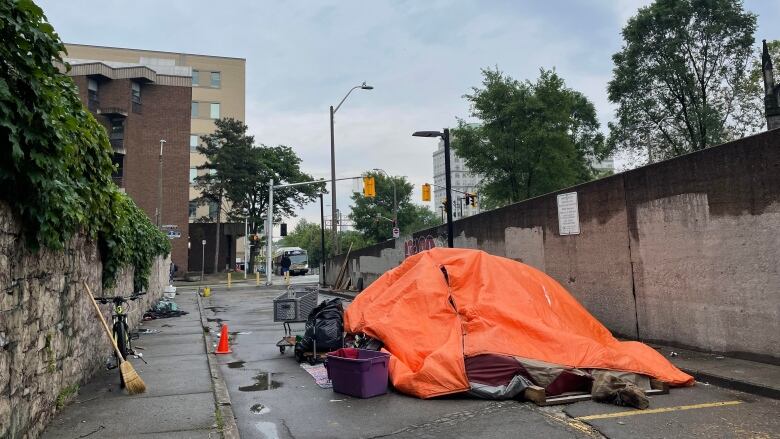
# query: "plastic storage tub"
{"points": [[358, 372]]}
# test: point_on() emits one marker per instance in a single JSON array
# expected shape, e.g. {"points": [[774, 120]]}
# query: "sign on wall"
{"points": [[568, 214]]}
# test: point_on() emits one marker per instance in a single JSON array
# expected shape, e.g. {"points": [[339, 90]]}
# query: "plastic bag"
{"points": [[325, 325]]}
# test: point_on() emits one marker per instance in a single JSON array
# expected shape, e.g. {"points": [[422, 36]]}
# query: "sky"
{"points": [[421, 56]]}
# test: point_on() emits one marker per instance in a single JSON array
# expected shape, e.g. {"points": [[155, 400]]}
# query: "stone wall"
{"points": [[683, 251], [50, 338]]}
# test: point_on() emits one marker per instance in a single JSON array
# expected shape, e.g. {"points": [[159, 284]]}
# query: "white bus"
{"points": [[298, 257]]}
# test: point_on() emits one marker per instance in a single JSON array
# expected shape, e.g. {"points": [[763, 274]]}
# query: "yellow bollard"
{"points": [[206, 292], [230, 278], [257, 278]]}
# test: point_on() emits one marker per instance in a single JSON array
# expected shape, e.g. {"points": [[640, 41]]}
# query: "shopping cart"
{"points": [[293, 306]]}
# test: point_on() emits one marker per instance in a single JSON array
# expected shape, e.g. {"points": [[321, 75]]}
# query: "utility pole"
{"points": [[322, 242], [158, 218]]}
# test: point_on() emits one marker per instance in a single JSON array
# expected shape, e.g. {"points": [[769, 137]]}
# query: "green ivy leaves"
{"points": [[55, 171]]}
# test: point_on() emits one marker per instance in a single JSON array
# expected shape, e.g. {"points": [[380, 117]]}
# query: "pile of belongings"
{"points": [[460, 320], [163, 309], [324, 328]]}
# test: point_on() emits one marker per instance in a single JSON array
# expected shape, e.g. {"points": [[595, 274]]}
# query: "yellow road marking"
{"points": [[659, 410]]}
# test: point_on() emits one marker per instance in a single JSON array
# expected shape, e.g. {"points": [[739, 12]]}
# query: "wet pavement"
{"points": [[178, 403], [273, 397]]}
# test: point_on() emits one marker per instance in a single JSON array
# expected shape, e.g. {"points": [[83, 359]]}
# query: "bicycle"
{"points": [[119, 328]]}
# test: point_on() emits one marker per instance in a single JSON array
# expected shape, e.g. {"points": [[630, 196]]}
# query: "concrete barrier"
{"points": [[683, 252]]}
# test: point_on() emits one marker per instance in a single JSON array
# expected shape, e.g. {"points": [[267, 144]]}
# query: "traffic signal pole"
{"points": [[269, 227]]}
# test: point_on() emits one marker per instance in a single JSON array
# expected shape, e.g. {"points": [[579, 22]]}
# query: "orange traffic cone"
{"points": [[223, 347]]}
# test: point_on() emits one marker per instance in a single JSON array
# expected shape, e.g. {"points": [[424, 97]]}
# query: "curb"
{"points": [[221, 395], [730, 383]]}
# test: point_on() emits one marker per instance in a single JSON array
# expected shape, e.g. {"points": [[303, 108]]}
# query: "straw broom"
{"points": [[133, 383]]}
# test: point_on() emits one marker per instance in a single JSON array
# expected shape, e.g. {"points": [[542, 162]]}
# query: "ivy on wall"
{"points": [[55, 158]]}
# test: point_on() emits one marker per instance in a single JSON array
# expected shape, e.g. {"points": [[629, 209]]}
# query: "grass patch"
{"points": [[220, 422], [65, 394]]}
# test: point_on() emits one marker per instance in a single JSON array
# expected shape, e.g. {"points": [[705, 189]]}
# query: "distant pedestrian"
{"points": [[285, 263]]}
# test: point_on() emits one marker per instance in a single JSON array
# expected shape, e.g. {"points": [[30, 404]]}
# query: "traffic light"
{"points": [[369, 188], [283, 229], [473, 200], [426, 192]]}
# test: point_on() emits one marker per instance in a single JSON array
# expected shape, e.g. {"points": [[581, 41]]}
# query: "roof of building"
{"points": [[162, 74], [155, 51]]}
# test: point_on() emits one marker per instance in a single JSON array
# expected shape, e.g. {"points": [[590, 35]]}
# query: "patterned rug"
{"points": [[319, 373]]}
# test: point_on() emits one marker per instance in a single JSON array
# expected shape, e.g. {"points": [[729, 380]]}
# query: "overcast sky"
{"points": [[420, 55]]}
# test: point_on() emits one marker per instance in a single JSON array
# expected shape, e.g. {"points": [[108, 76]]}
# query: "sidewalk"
{"points": [[179, 401], [746, 376]]}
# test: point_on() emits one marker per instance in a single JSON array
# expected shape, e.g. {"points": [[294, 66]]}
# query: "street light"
{"points": [[336, 246], [395, 200], [159, 186], [445, 135]]}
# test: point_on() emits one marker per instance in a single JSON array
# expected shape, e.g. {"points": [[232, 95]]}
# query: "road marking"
{"points": [[659, 410]]}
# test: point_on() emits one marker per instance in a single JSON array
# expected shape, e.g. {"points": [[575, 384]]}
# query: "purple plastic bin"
{"points": [[358, 372]]}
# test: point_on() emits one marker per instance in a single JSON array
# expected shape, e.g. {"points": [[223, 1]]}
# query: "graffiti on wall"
{"points": [[414, 246]]}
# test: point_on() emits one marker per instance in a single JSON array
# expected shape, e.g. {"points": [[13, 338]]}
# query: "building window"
{"points": [[119, 162], [117, 134], [193, 174], [195, 78], [213, 209], [136, 93], [136, 97], [193, 209], [215, 110], [194, 140], [195, 112], [216, 79], [92, 94]]}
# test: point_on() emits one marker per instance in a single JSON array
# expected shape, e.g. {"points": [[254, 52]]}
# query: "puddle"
{"points": [[215, 319], [215, 309], [263, 381], [240, 332], [167, 326], [236, 364], [259, 409], [267, 429]]}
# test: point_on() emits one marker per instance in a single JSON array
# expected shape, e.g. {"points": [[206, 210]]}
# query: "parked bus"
{"points": [[298, 257]]}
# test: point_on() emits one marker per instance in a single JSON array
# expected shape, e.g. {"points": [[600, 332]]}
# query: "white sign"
{"points": [[568, 214], [173, 234], [396, 232], [203, 242], [169, 226]]}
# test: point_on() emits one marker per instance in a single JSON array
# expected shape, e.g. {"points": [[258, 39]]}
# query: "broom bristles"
{"points": [[133, 382]]}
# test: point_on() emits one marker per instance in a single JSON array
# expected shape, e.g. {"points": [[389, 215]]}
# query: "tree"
{"points": [[374, 216], [240, 172], [681, 80], [755, 86], [532, 138], [306, 235]]}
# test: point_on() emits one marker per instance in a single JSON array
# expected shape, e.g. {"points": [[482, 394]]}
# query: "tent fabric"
{"points": [[443, 306]]}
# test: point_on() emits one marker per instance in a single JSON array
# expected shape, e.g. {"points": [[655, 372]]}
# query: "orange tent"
{"points": [[455, 320]]}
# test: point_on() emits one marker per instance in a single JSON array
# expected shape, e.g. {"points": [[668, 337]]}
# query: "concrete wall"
{"points": [[50, 337], [683, 252]]}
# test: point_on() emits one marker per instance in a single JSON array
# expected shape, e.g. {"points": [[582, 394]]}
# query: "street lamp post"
{"points": [[395, 200], [159, 186], [202, 258], [322, 242], [445, 135], [334, 225]]}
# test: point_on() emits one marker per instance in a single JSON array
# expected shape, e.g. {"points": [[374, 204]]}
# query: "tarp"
{"points": [[431, 322]]}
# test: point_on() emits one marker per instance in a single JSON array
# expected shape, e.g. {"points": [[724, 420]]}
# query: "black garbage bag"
{"points": [[325, 325]]}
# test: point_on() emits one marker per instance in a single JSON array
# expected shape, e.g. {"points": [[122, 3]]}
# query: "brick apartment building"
{"points": [[139, 106], [218, 90]]}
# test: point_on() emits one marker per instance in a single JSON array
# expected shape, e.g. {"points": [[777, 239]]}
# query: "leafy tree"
{"points": [[681, 80], [755, 87], [55, 163], [532, 138], [373, 217], [306, 235], [239, 173]]}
